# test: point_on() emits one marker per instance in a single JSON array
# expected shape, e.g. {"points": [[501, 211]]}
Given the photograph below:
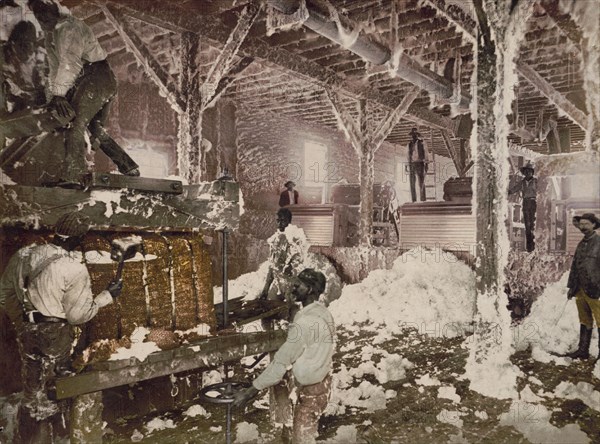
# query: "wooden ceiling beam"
{"points": [[173, 18]]}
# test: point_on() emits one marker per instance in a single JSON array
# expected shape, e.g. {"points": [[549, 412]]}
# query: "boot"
{"points": [[583, 350]]}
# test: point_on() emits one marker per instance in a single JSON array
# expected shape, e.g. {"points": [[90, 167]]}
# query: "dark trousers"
{"points": [[45, 351], [90, 98], [529, 208], [417, 169]]}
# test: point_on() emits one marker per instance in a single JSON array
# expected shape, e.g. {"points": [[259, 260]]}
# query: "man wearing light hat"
{"points": [[528, 189], [308, 352], [584, 283], [45, 289]]}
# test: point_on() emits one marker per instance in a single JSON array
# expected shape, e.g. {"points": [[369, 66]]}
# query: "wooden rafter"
{"points": [[229, 79], [556, 97], [347, 122], [457, 159], [565, 23], [457, 16], [224, 61], [393, 117], [143, 55], [169, 17]]}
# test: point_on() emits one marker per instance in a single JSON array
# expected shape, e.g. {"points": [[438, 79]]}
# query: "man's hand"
{"points": [[241, 398], [114, 288], [62, 107], [571, 293]]}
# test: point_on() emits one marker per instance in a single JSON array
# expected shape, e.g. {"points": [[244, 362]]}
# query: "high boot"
{"points": [[583, 350]]}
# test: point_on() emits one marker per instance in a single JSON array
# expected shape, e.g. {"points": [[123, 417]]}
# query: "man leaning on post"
{"points": [[45, 289], [308, 351], [584, 283]]}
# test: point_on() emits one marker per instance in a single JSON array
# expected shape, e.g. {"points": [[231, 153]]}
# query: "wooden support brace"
{"points": [[345, 119], [224, 61], [456, 157], [393, 117], [229, 79], [144, 57], [556, 97]]}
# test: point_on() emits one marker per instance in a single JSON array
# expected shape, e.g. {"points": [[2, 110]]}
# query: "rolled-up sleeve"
{"points": [[78, 302]]}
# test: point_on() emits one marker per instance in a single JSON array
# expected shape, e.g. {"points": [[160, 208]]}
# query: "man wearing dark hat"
{"points": [[417, 165], [584, 283], [289, 196], [308, 352], [45, 289], [527, 187]]}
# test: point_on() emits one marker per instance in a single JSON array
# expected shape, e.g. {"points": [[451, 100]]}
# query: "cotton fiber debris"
{"points": [[422, 290], [552, 326]]}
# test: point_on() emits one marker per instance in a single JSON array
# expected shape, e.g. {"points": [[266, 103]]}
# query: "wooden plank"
{"points": [[118, 181], [204, 354]]}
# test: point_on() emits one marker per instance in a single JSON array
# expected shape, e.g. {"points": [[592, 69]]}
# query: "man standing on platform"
{"points": [[528, 189], [417, 165]]}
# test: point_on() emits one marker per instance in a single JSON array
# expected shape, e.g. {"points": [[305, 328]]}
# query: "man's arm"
{"points": [[516, 187], [78, 302]]}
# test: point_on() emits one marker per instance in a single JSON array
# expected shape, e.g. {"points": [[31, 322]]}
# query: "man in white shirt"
{"points": [[79, 75], [308, 352], [45, 289]]}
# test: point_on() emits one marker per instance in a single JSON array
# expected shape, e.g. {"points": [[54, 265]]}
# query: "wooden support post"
{"points": [[190, 122], [86, 418], [366, 165]]}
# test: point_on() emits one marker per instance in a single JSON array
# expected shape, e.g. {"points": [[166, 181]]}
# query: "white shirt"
{"points": [[62, 289], [292, 200], [68, 47], [308, 349]]}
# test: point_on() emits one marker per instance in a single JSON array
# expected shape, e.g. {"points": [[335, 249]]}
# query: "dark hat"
{"points": [[314, 279], [591, 217], [414, 130], [527, 166], [72, 225], [289, 182]]}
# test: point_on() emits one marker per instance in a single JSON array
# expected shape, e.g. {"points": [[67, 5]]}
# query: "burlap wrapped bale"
{"points": [[183, 283], [158, 280], [105, 324], [132, 301], [203, 282]]}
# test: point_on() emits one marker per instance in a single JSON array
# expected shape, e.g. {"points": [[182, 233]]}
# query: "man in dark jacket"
{"points": [[289, 196], [584, 282], [528, 189], [417, 165]]}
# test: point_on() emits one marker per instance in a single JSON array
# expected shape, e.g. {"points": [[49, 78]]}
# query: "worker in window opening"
{"points": [[308, 352], [584, 283], [417, 164], [79, 76], [45, 290], [289, 196], [527, 187], [286, 255]]}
